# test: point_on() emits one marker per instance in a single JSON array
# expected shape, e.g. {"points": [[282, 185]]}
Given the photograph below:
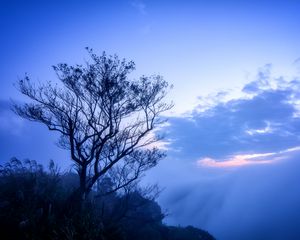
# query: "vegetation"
{"points": [[108, 123], [104, 119], [39, 204]]}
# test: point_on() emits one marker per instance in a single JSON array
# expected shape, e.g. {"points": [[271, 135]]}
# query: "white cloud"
{"points": [[265, 130], [246, 159], [235, 161]]}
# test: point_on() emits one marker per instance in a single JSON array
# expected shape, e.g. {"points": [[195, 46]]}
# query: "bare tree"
{"points": [[105, 120]]}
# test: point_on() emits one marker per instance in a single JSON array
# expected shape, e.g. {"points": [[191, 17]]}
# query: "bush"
{"points": [[37, 204]]}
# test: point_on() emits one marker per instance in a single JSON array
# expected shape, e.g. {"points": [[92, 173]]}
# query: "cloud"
{"points": [[266, 121], [247, 159], [139, 6], [253, 202], [236, 161], [233, 164]]}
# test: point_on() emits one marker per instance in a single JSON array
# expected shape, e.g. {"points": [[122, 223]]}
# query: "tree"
{"points": [[105, 120]]}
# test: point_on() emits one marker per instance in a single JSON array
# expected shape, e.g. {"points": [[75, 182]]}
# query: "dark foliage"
{"points": [[191, 233], [39, 204]]}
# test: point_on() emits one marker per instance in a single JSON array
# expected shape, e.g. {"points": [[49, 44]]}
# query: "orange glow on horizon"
{"points": [[236, 161]]}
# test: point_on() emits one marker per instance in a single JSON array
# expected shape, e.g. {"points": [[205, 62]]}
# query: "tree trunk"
{"points": [[83, 185]]}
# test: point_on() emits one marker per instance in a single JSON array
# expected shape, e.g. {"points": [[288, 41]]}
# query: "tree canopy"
{"points": [[105, 120]]}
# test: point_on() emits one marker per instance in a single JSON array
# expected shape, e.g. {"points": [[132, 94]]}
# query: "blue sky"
{"points": [[233, 136]]}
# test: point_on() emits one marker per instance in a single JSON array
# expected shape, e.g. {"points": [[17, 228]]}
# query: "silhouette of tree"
{"points": [[105, 120]]}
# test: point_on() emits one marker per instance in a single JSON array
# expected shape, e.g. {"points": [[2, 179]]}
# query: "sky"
{"points": [[233, 136]]}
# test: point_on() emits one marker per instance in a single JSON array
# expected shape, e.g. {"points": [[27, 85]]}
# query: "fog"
{"points": [[233, 167]]}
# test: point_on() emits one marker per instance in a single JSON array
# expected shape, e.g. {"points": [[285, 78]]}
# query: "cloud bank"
{"points": [[253, 202], [233, 165], [265, 119]]}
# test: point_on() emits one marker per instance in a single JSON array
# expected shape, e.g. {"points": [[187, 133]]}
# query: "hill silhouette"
{"points": [[43, 204]]}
